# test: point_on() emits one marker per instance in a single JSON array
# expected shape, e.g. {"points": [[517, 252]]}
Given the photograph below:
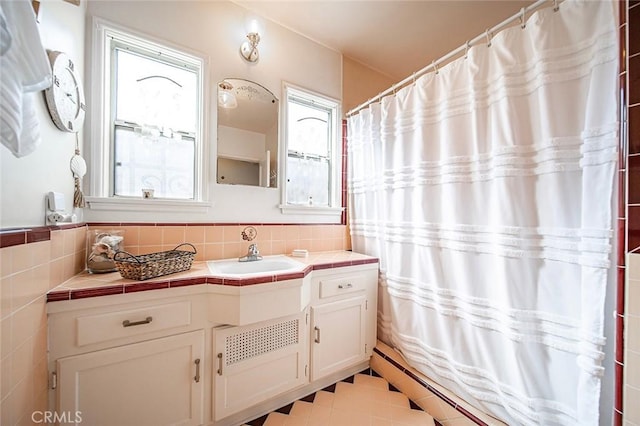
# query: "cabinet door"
{"points": [[338, 330], [256, 362], [157, 382]]}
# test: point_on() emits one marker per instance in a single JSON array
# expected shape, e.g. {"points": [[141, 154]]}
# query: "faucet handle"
{"points": [[249, 233]]}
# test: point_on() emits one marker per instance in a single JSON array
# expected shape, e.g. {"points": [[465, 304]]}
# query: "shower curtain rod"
{"points": [[488, 34]]}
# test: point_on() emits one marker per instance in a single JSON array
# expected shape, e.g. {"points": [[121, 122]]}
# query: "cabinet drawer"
{"points": [[341, 285], [127, 323]]}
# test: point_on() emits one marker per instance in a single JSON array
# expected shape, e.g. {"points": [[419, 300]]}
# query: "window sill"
{"points": [[311, 210], [146, 205]]}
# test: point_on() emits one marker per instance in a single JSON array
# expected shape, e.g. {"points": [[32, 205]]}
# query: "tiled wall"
{"points": [[628, 297], [631, 389], [32, 266], [432, 399], [215, 241], [27, 272]]}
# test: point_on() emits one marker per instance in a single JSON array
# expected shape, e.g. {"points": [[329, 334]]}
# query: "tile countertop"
{"points": [[86, 285]]}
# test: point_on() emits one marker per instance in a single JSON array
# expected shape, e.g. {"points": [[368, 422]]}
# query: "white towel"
{"points": [[5, 35], [24, 68]]}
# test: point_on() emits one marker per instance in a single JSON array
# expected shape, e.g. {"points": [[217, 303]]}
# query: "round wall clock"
{"points": [[65, 97]]}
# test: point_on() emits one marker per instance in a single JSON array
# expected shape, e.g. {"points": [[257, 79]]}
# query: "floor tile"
{"points": [[410, 417], [324, 398], [398, 399], [301, 408], [360, 400], [319, 415], [377, 421], [370, 381], [275, 419]]}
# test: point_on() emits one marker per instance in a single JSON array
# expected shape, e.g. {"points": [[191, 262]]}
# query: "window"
{"points": [[154, 122], [151, 118], [313, 153]]}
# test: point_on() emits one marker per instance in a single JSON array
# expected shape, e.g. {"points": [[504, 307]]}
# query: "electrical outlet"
{"points": [[55, 217]]}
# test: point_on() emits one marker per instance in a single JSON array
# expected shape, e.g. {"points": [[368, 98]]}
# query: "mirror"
{"points": [[247, 134]]}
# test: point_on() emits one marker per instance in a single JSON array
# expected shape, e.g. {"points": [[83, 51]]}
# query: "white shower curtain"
{"points": [[486, 191]]}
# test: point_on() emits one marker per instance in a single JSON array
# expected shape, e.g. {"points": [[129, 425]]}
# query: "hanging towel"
{"points": [[5, 36], [25, 69]]}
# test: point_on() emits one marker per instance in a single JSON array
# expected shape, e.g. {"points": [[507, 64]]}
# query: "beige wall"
{"points": [[25, 181], [215, 29], [27, 272], [360, 83]]}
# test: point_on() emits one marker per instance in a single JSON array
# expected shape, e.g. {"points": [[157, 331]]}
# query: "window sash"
{"points": [[303, 172], [151, 56], [293, 194], [169, 57], [169, 177]]}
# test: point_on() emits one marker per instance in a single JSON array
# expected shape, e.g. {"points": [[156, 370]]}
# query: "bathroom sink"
{"points": [[269, 265]]}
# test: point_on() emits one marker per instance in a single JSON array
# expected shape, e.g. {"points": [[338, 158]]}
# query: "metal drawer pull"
{"points": [[220, 363], [348, 285], [127, 323], [197, 378], [317, 338]]}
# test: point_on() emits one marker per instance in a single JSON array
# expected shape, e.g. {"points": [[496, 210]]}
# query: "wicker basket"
{"points": [[153, 265]]}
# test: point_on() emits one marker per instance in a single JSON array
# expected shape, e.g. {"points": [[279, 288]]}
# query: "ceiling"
{"points": [[393, 37]]}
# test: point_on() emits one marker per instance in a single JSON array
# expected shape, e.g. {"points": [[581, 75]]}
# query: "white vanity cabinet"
{"points": [[343, 319], [137, 363], [256, 362], [215, 355], [339, 336], [156, 382]]}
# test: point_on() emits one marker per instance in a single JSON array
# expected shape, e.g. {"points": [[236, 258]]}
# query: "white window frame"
{"points": [[335, 189], [102, 105]]}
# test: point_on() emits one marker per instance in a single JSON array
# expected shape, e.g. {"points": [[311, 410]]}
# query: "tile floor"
{"points": [[364, 399]]}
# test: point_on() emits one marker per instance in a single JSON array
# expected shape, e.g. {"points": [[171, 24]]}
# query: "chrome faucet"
{"points": [[249, 233], [253, 254]]}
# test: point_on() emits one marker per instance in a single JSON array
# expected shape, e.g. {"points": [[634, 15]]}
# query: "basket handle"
{"points": [[187, 244], [127, 253]]}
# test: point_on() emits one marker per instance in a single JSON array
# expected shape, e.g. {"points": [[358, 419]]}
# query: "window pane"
{"points": [[161, 163], [309, 129], [308, 180], [155, 93]]}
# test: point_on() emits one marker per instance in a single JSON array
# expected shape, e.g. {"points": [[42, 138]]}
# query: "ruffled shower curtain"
{"points": [[486, 191]]}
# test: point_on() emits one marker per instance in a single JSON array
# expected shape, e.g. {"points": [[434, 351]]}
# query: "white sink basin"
{"points": [[269, 265]]}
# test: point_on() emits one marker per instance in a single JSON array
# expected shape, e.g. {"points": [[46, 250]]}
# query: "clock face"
{"points": [[65, 97]]}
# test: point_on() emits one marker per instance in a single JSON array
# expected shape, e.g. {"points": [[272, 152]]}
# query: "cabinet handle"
{"points": [[127, 323], [348, 285], [220, 363], [317, 338], [197, 377]]}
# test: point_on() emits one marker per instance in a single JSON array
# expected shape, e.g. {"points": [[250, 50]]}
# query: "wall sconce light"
{"points": [[226, 99], [249, 48]]}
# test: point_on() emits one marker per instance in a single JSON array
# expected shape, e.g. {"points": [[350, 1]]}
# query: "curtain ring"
{"points": [[486, 33], [466, 49], [556, 7], [414, 78], [435, 66], [523, 19]]}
